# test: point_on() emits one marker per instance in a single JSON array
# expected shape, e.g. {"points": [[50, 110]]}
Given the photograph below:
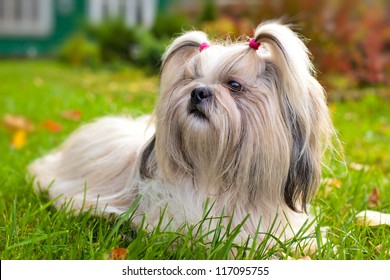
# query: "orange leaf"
{"points": [[16, 122], [19, 139], [373, 199], [52, 126], [72, 115], [118, 254]]}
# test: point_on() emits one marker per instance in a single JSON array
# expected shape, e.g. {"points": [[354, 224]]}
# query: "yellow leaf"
{"points": [[331, 184], [19, 139]]}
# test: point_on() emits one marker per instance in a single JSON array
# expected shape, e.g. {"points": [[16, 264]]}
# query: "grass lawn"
{"points": [[57, 99]]}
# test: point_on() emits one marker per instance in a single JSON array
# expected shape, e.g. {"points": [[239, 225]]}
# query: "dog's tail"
{"points": [[94, 165]]}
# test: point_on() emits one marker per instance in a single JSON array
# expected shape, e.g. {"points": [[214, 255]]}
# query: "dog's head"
{"points": [[250, 124]]}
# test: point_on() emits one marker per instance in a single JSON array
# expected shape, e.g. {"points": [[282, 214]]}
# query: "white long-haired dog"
{"points": [[241, 127]]}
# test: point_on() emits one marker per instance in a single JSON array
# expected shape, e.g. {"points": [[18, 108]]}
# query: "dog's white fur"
{"points": [[257, 151]]}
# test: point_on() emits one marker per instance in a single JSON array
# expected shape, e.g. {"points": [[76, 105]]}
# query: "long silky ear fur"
{"points": [[304, 109], [147, 165], [174, 62], [174, 58]]}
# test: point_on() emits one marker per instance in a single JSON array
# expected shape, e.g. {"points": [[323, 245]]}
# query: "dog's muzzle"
{"points": [[200, 94], [199, 97]]}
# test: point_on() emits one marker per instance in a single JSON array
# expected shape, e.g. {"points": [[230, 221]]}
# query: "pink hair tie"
{"points": [[254, 45], [203, 46]]}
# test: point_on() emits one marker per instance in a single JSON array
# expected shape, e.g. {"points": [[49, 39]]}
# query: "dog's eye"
{"points": [[234, 86]]}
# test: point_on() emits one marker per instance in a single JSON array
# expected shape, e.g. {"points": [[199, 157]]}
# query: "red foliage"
{"points": [[354, 36], [348, 38]]}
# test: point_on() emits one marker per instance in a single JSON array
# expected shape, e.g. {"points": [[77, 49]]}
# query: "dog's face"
{"points": [[242, 124]]}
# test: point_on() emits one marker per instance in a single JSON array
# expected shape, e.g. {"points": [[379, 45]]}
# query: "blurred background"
{"points": [[66, 62], [350, 40]]}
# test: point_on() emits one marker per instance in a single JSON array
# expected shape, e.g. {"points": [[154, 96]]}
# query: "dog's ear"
{"points": [[182, 49], [304, 110], [290, 55], [147, 165]]}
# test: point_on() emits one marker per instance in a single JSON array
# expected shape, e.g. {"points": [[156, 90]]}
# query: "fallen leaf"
{"points": [[372, 218], [373, 199], [358, 166], [72, 115], [16, 122], [118, 254], [19, 139], [331, 184], [52, 126]]}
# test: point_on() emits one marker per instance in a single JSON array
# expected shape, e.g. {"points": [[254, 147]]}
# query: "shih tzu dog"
{"points": [[243, 125]]}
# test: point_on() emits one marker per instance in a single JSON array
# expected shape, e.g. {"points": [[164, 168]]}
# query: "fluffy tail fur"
{"points": [[93, 166]]}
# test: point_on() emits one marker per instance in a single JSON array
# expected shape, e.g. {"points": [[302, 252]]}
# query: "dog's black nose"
{"points": [[200, 93]]}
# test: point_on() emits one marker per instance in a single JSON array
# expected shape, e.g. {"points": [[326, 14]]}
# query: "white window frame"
{"points": [[100, 10], [26, 23]]}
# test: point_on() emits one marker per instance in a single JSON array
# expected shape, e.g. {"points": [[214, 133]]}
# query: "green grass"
{"points": [[31, 229]]}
